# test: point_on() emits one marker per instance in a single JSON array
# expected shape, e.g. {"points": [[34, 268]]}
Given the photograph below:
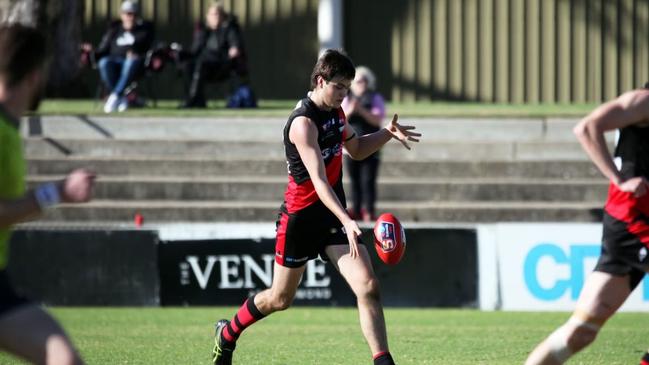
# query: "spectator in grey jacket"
{"points": [[121, 54]]}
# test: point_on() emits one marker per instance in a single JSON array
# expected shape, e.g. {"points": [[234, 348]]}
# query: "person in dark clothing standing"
{"points": [[121, 54], [365, 109], [217, 52]]}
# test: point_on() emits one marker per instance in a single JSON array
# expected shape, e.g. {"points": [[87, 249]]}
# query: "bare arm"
{"points": [[76, 188], [304, 135], [630, 108], [361, 147], [19, 210]]}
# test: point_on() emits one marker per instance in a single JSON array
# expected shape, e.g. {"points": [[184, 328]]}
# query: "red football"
{"points": [[389, 239]]}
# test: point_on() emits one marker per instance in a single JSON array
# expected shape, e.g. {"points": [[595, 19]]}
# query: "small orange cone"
{"points": [[138, 219]]}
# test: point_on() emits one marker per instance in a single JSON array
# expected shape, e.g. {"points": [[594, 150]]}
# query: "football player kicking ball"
{"points": [[25, 329], [313, 220], [624, 260]]}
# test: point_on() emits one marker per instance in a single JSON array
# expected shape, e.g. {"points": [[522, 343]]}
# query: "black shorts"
{"points": [[303, 235], [9, 299], [623, 252]]}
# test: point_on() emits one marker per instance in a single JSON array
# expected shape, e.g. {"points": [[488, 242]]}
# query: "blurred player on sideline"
{"points": [[624, 260], [313, 220], [25, 329]]}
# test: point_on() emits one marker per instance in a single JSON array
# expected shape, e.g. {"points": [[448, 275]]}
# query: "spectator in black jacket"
{"points": [[217, 52], [121, 54]]}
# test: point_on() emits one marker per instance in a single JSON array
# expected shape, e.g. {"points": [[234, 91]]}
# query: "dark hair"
{"points": [[23, 50], [333, 63]]}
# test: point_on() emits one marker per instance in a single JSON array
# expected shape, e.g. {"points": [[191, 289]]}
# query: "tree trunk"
{"points": [[60, 21]]}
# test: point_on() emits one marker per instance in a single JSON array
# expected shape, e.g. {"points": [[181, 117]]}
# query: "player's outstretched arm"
{"points": [[76, 188], [304, 135], [18, 210], [359, 148], [628, 109]]}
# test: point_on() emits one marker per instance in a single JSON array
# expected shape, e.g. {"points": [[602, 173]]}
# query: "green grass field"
{"points": [[332, 336], [282, 108]]}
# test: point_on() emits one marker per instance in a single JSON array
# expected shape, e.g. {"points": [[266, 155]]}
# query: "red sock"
{"points": [[383, 358], [645, 359], [246, 315]]}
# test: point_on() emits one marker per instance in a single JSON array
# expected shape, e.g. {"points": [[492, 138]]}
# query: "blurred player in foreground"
{"points": [[624, 260], [26, 330], [313, 220]]}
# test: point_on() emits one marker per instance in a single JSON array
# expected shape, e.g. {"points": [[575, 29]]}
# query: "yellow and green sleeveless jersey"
{"points": [[12, 174]]}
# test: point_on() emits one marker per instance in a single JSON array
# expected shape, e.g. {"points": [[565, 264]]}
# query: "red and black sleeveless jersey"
{"points": [[300, 192], [633, 149]]}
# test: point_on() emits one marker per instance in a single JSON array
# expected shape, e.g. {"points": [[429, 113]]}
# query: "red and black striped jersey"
{"points": [[300, 192], [633, 151]]}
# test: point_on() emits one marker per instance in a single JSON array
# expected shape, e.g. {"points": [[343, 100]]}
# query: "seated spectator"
{"points": [[365, 109], [121, 54], [217, 53]]}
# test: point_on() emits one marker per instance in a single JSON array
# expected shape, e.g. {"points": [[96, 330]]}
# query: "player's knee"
{"points": [[60, 352], [581, 336], [571, 338], [584, 327], [370, 290], [74, 360]]}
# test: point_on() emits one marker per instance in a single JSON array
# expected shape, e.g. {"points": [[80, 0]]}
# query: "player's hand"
{"points": [[352, 231], [175, 46], [77, 186], [636, 185], [131, 55], [402, 132], [86, 47], [233, 52]]}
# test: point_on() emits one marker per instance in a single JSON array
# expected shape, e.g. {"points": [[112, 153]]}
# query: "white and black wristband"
{"points": [[47, 195]]}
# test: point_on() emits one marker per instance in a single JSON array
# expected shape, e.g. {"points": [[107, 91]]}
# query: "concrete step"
{"points": [[229, 211], [163, 167], [270, 129], [446, 151], [233, 169], [392, 189], [199, 167], [203, 167], [155, 128]]}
